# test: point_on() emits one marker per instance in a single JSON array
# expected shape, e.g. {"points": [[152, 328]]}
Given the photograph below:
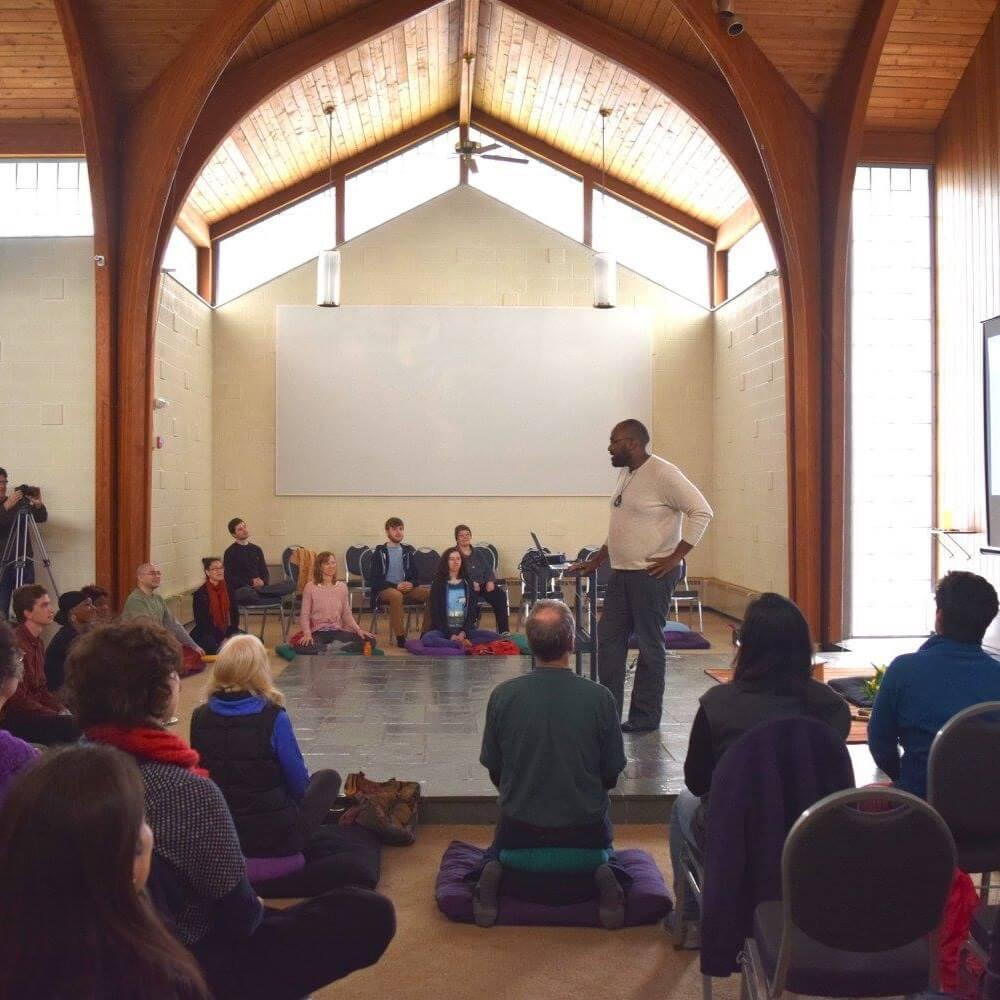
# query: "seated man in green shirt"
{"points": [[553, 746], [144, 602]]}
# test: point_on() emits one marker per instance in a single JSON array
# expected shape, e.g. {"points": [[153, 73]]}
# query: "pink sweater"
{"points": [[327, 608]]}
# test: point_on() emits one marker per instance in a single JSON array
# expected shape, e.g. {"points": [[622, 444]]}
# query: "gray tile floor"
{"points": [[421, 718]]}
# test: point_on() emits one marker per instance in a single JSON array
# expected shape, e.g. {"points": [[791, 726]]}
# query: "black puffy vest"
{"points": [[236, 750]]}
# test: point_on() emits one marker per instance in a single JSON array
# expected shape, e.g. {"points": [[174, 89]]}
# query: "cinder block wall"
{"points": [[462, 248], [47, 399]]}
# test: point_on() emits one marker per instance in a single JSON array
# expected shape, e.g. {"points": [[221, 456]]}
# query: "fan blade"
{"points": [[472, 166], [506, 159], [489, 148]]}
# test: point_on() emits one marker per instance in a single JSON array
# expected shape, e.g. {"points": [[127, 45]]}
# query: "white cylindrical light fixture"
{"points": [[605, 281], [328, 278]]}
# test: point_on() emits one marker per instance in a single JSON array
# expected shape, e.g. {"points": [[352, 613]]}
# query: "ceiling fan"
{"points": [[469, 150]]}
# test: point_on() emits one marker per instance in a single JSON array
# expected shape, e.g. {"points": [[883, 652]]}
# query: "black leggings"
{"points": [[298, 950], [497, 600]]}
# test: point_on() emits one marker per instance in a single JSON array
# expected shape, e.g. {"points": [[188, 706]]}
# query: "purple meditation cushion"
{"points": [[417, 648], [647, 899]]}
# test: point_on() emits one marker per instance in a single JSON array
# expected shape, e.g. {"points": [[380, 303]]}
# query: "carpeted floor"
{"points": [[434, 958]]}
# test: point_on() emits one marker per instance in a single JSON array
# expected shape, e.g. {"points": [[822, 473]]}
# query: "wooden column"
{"points": [[719, 277], [206, 273]]}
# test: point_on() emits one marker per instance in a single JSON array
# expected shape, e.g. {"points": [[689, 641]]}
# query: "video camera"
{"points": [[28, 493]]}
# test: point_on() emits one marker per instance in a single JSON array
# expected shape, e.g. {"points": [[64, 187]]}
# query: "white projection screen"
{"points": [[461, 401]]}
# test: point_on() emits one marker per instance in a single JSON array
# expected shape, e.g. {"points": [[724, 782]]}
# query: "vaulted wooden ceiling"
{"points": [[525, 76]]}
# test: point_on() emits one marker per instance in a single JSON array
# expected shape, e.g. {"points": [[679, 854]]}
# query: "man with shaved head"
{"points": [[144, 602], [657, 517]]}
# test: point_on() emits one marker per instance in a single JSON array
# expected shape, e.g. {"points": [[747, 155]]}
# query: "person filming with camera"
{"points": [[11, 504]]}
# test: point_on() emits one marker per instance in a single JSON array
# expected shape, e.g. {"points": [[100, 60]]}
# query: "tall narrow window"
{"points": [[891, 401]]}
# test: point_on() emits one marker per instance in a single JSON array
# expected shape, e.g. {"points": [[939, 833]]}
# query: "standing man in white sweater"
{"points": [[657, 518]]}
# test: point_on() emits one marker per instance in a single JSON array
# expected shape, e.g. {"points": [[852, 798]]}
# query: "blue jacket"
{"points": [[283, 741], [920, 692]]}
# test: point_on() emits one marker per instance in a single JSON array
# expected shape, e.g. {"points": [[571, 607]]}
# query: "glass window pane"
{"points": [[181, 260], [396, 185], [652, 248], [552, 197], [45, 198], [278, 244], [749, 259], [891, 387]]}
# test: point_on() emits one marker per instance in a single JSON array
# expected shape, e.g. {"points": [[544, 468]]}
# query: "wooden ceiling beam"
{"points": [[40, 139], [676, 217], [193, 225], [703, 95], [247, 86], [898, 149], [841, 141], [320, 180], [734, 228], [467, 58], [99, 133], [785, 132]]}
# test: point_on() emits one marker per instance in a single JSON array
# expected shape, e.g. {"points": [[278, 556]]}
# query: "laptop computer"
{"points": [[556, 560]]}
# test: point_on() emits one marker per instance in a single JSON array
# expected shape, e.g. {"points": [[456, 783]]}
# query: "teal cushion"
{"points": [[555, 859]]}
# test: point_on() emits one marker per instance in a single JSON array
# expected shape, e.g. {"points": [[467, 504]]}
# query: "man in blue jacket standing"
{"points": [[921, 691]]}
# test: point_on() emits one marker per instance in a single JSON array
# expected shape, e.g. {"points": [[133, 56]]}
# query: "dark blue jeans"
{"points": [[636, 602]]}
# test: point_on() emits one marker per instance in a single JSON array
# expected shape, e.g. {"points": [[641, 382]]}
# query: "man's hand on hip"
{"points": [[662, 565]]}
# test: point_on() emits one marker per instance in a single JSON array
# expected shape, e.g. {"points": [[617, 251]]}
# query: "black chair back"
{"points": [[426, 563], [365, 557], [353, 559], [867, 870], [963, 784], [489, 552], [291, 569]]}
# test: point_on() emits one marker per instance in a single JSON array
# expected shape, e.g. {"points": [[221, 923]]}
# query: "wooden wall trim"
{"points": [[100, 133], [247, 86], [40, 139], [206, 273], [733, 229], [719, 277], [704, 96], [786, 134], [898, 149], [841, 134], [663, 210], [320, 180]]}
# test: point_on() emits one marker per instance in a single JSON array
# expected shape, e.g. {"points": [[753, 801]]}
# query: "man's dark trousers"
{"points": [[636, 602]]}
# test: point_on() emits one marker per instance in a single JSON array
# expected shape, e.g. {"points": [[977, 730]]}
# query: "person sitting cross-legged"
{"points": [[921, 691], [124, 686], [216, 615], [771, 680], [394, 577], [326, 608], [553, 746], [145, 602], [452, 604]]}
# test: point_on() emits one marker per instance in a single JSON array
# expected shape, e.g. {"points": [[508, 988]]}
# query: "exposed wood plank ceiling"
{"points": [[928, 48], [542, 84], [36, 82], [379, 90]]}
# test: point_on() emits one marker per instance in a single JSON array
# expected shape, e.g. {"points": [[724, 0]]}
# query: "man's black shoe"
{"points": [[634, 727]]}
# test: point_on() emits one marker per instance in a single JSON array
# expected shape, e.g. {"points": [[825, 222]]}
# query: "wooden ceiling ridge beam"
{"points": [[467, 59], [245, 87], [671, 214], [99, 131], [701, 94], [320, 180], [898, 149], [785, 133], [842, 134], [39, 139]]}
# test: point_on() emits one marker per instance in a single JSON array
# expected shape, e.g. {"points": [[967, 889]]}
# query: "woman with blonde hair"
{"points": [[245, 739], [326, 607]]}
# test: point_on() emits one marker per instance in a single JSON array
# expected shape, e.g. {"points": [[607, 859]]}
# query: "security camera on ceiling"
{"points": [[732, 21]]}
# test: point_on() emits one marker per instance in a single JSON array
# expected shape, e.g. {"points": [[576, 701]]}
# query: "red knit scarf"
{"points": [[151, 744], [218, 604]]}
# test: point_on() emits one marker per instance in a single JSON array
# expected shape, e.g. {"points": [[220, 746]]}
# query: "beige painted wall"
{"points": [[749, 485], [182, 468], [463, 248], [47, 402]]}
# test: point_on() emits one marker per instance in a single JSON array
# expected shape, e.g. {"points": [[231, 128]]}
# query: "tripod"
{"points": [[24, 538]]}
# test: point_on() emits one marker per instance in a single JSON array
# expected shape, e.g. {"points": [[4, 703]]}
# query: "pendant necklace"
{"points": [[618, 499]]}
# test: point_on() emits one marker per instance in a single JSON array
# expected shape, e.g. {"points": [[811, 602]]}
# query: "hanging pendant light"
{"points": [[328, 262], [604, 264]]}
